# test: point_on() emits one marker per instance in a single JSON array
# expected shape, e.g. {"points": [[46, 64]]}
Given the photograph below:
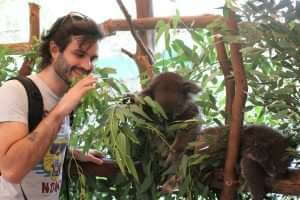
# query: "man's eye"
{"points": [[79, 55]]}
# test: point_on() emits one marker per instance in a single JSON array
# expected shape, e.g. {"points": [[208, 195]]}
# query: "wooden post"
{"points": [[144, 8], [228, 76], [230, 179], [34, 11], [149, 23], [34, 23]]}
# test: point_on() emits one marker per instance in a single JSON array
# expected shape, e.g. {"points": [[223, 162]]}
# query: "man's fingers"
{"points": [[94, 159], [96, 153]]}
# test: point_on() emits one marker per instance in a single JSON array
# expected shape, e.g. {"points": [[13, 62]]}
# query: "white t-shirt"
{"points": [[43, 182]]}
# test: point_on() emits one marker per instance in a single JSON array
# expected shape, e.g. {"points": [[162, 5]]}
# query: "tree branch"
{"points": [[228, 76], [230, 178], [134, 34]]}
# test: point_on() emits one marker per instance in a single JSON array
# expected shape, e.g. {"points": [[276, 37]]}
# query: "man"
{"points": [[31, 163]]}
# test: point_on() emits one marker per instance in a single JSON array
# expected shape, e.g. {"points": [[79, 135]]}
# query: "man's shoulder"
{"points": [[12, 86], [13, 102]]}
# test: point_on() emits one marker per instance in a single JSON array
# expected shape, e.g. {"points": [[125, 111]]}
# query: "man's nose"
{"points": [[87, 65]]}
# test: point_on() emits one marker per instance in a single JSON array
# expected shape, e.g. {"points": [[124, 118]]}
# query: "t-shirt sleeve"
{"points": [[13, 102]]}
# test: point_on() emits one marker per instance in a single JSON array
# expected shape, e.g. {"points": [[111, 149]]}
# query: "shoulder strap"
{"points": [[35, 106], [35, 101]]}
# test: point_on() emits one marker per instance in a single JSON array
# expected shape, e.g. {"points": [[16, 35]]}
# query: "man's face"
{"points": [[75, 61]]}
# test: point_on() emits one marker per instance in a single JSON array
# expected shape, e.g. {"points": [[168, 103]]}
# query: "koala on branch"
{"points": [[263, 154], [173, 93]]}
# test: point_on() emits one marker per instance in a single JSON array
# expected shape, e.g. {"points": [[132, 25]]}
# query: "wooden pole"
{"points": [[17, 48], [34, 26], [34, 19], [287, 185], [230, 178], [149, 23], [144, 8], [228, 76]]}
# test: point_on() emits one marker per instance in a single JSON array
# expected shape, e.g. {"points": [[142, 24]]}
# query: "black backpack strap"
{"points": [[24, 195], [35, 106], [35, 102]]}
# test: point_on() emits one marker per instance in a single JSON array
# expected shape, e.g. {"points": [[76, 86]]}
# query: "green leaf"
{"points": [[113, 84], [176, 19], [105, 70], [162, 27], [184, 165], [131, 168], [130, 134], [197, 159], [156, 108], [147, 183], [122, 144]]}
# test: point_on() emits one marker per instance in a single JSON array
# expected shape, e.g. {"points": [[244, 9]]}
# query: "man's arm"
{"points": [[20, 151]]}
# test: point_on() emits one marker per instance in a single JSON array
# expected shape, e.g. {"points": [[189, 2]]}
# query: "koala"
{"points": [[173, 93], [262, 154]]}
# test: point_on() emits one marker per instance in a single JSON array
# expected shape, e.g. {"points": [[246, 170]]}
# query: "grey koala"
{"points": [[262, 154], [173, 93]]}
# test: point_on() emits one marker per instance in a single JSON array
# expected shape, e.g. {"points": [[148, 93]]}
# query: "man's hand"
{"points": [[72, 98], [91, 156]]}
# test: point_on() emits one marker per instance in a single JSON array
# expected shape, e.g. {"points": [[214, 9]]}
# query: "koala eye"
{"points": [[190, 87]]}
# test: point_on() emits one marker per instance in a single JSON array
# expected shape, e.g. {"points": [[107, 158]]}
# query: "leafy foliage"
{"points": [[269, 33], [128, 134], [7, 65]]}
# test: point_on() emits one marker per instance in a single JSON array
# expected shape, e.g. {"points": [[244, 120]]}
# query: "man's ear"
{"points": [[54, 50]]}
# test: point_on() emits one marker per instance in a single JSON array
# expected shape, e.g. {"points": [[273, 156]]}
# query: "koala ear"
{"points": [[147, 92], [190, 87]]}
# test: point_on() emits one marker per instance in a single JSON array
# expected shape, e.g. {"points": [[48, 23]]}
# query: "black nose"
{"points": [[171, 116]]}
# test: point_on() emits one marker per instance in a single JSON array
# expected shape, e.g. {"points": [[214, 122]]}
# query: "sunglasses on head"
{"points": [[73, 17]]}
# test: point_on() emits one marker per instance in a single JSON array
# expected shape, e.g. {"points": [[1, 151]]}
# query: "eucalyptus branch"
{"points": [[133, 32], [127, 53]]}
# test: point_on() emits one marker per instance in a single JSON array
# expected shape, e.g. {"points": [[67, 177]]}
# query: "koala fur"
{"points": [[262, 154], [173, 93]]}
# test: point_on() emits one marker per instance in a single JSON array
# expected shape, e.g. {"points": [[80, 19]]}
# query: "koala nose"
{"points": [[171, 116], [271, 171]]}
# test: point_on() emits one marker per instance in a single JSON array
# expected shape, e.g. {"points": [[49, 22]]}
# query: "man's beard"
{"points": [[63, 69]]}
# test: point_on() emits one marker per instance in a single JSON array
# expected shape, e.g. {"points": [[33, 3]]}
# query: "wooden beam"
{"points": [[111, 26], [16, 48], [288, 185], [149, 23]]}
